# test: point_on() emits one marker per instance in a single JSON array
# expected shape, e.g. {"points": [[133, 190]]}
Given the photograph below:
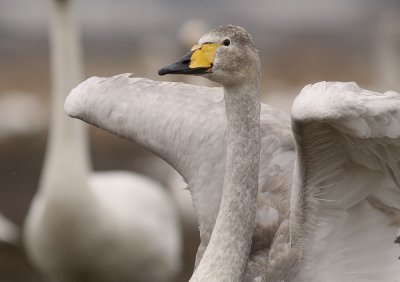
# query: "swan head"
{"points": [[226, 55]]}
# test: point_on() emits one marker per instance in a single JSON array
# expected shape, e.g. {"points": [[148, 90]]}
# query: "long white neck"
{"points": [[67, 152], [227, 253]]}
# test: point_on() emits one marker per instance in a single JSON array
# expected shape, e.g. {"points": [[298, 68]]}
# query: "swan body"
{"points": [[85, 226], [328, 201]]}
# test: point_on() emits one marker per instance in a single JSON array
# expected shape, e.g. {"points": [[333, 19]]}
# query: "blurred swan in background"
{"points": [[341, 219], [84, 226]]}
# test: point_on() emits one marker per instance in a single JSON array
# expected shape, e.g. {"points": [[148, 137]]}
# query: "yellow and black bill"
{"points": [[198, 61]]}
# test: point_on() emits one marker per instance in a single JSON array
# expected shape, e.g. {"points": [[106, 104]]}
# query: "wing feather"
{"points": [[183, 124], [345, 201]]}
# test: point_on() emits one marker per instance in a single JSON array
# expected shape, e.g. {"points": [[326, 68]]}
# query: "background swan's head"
{"points": [[226, 55]]}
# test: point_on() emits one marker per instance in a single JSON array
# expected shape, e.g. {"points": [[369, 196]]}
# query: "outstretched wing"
{"points": [[345, 204], [184, 124], [165, 117]]}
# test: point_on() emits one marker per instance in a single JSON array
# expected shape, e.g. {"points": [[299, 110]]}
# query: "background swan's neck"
{"points": [[227, 253], [67, 152]]}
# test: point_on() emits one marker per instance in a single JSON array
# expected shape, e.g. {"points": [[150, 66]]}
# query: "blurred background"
{"points": [[300, 42]]}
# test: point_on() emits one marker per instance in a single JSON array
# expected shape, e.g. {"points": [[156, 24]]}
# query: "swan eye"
{"points": [[226, 42]]}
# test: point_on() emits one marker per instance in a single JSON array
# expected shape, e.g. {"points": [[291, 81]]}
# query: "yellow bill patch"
{"points": [[203, 55]]}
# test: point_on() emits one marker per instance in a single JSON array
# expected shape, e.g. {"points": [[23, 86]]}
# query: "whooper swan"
{"points": [[327, 211]]}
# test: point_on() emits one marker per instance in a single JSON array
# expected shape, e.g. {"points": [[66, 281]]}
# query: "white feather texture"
{"points": [[346, 200]]}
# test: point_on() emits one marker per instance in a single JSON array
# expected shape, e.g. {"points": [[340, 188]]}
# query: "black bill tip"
{"points": [[181, 66], [177, 68], [163, 71]]}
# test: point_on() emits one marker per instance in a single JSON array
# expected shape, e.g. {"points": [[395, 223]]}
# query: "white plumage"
{"points": [[348, 183], [85, 226], [344, 202]]}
